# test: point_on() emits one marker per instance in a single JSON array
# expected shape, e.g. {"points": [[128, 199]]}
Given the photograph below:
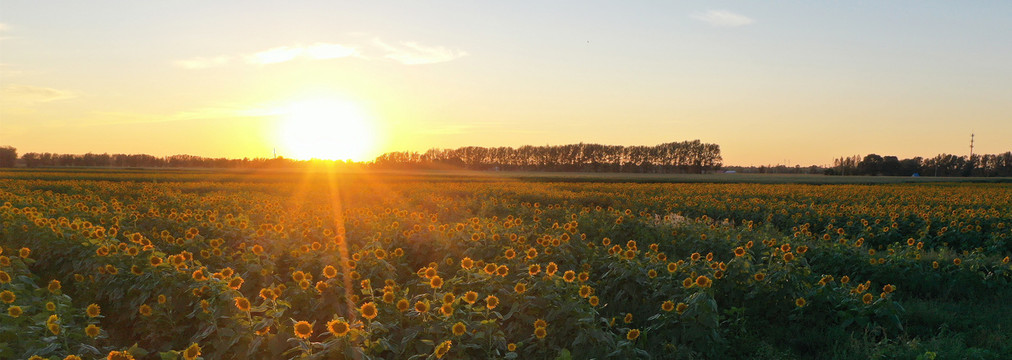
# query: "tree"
{"points": [[8, 156]]}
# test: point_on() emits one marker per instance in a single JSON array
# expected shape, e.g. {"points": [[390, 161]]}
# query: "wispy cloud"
{"points": [[318, 51], [723, 18], [409, 53], [412, 53], [30, 95]]}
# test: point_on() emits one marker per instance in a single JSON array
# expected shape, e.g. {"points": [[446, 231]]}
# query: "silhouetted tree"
{"points": [[8, 156]]}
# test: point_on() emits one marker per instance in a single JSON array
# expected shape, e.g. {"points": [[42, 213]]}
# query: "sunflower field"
{"points": [[318, 265]]}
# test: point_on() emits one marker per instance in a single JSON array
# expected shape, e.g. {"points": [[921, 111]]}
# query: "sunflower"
{"points": [[338, 327], [511, 347], [144, 310], [800, 302], [191, 352], [242, 303], [368, 310], [54, 328], [551, 269], [303, 329], [50, 306], [681, 307], [72, 357], [403, 305], [436, 282], [534, 269], [788, 257], [668, 306], [422, 307], [430, 272], [92, 331], [633, 333], [446, 310], [14, 311], [235, 283], [521, 288], [442, 349], [24, 252], [957, 261], [672, 267], [585, 291], [466, 263], [93, 310], [329, 271], [739, 251], [593, 300], [583, 277], [540, 332], [868, 298], [532, 253], [268, 294], [491, 302], [4, 277], [695, 256], [119, 355], [470, 297], [703, 281], [540, 323], [459, 329], [569, 276], [502, 270], [54, 286]]}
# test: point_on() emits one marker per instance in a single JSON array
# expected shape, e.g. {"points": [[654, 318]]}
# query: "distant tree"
{"points": [[890, 166], [870, 165], [8, 156], [910, 166]]}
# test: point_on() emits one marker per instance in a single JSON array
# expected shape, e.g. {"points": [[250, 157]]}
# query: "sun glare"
{"points": [[327, 130]]}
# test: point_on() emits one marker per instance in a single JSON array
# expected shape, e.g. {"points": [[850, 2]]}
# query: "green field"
{"points": [[319, 263]]}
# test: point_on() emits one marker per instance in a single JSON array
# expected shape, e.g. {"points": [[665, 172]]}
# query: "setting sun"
{"points": [[325, 129]]}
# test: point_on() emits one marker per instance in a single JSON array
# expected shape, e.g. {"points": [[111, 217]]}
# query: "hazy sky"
{"points": [[770, 82]]}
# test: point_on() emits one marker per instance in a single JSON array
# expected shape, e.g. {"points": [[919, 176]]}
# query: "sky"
{"points": [[795, 83]]}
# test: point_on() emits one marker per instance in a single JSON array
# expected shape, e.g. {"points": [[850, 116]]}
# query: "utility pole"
{"points": [[971, 145]]}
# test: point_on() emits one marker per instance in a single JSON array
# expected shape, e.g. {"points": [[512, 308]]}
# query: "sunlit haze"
{"points": [[771, 83]]}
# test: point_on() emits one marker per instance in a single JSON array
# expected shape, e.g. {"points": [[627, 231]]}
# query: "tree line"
{"points": [[940, 165], [8, 158], [674, 157]]}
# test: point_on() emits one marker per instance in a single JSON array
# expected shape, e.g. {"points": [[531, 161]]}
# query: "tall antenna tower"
{"points": [[971, 145]]}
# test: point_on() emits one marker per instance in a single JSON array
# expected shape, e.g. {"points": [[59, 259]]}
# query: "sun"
{"points": [[325, 129]]}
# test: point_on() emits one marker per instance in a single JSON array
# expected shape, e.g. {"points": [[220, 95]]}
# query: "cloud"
{"points": [[26, 94], [412, 53], [202, 62], [275, 55], [722, 18], [318, 51]]}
